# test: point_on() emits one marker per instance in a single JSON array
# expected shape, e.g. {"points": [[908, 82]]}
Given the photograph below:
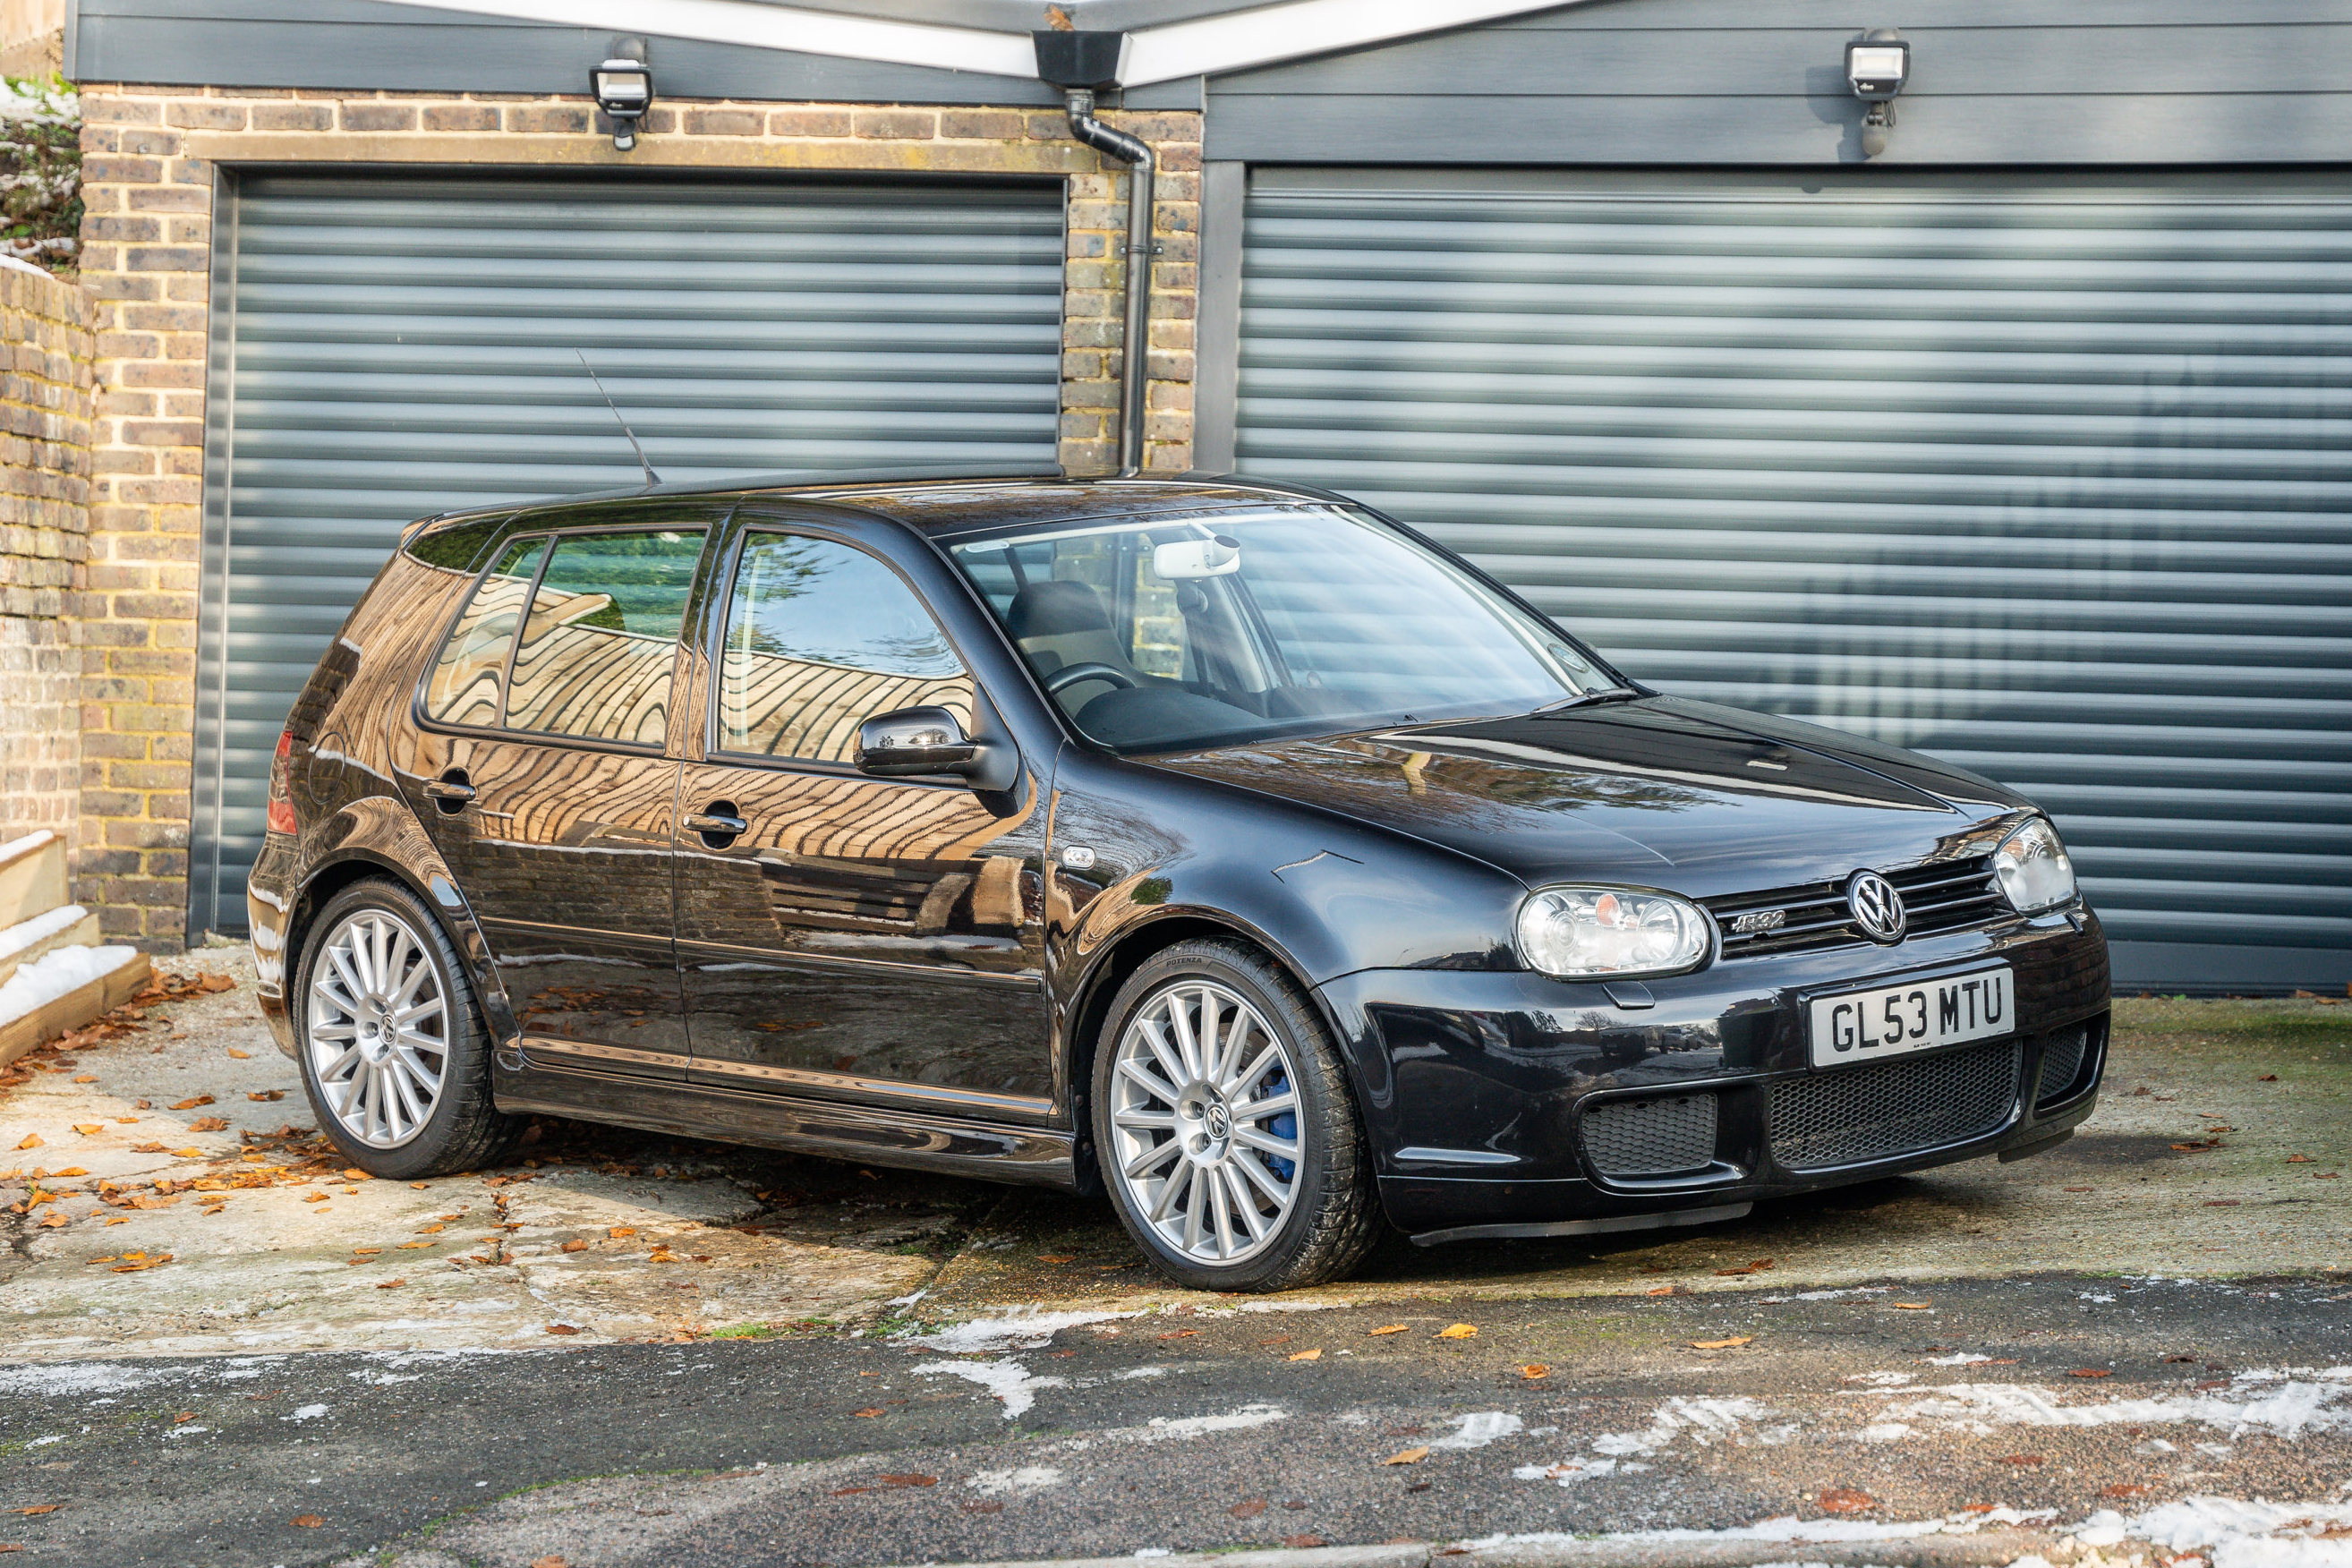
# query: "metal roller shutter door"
{"points": [[2049, 477], [389, 348]]}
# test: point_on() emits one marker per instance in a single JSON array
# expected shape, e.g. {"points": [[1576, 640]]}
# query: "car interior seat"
{"points": [[1061, 623]]}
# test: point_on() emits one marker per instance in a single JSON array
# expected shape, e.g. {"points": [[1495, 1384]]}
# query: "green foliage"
{"points": [[40, 172]]}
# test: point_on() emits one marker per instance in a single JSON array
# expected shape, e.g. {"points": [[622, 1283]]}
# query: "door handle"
{"points": [[452, 794], [714, 825]]}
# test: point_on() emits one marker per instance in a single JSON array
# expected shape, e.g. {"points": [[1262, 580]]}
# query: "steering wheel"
{"points": [[1062, 680]]}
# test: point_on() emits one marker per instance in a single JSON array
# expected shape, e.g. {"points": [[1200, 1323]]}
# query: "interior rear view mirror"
{"points": [[1218, 556]]}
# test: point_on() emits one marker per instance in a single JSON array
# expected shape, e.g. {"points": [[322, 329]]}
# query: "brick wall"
{"points": [[150, 155], [44, 412]]}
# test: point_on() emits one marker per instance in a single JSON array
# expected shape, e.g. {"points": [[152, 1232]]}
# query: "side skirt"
{"points": [[951, 1145]]}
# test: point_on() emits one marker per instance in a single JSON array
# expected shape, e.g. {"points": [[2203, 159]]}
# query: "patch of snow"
{"points": [[79, 1377], [1477, 1430], [1704, 1419], [306, 1412], [1964, 1358], [1882, 1379], [1884, 1431], [59, 973], [44, 1442], [1007, 1379], [39, 835], [1840, 1295], [40, 927], [2088, 1296], [1018, 1482], [185, 1431], [1027, 1329], [2289, 1408], [2235, 1533], [1160, 1428], [1568, 1472]]}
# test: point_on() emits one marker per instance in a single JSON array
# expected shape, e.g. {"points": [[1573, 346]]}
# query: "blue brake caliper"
{"points": [[1283, 1126]]}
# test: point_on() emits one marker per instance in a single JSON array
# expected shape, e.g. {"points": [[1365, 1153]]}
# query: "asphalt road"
{"points": [[1191, 1429]]}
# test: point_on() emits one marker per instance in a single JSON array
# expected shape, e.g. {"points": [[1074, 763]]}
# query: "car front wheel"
{"points": [[1223, 1125], [394, 1055]]}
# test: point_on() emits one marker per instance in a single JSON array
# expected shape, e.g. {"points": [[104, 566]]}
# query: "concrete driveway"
{"points": [[173, 1228]]}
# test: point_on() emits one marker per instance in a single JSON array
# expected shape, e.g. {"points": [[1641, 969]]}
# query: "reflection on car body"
{"points": [[1225, 845]]}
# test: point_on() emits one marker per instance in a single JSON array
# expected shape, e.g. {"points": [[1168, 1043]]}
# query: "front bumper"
{"points": [[1476, 1086]]}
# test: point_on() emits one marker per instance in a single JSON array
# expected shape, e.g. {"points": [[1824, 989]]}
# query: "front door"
{"points": [[545, 776], [845, 936]]}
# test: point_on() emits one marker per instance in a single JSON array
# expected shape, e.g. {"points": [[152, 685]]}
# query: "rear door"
{"points": [[858, 938], [547, 771]]}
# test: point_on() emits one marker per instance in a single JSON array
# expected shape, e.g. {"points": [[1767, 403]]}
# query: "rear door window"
{"points": [[599, 644], [820, 638]]}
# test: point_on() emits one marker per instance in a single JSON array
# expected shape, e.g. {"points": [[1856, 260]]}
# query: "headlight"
{"points": [[2034, 872], [1579, 931]]}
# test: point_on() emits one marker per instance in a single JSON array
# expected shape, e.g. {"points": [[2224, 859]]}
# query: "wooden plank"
{"points": [[32, 878], [83, 932], [74, 1008]]}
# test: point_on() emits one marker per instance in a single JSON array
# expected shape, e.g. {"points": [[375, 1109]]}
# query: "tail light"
{"points": [[281, 786]]}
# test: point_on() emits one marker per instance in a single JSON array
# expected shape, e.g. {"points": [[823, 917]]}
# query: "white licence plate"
{"points": [[1895, 1020]]}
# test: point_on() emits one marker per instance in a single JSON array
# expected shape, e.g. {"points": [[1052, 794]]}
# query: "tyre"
{"points": [[1223, 1126], [393, 1054]]}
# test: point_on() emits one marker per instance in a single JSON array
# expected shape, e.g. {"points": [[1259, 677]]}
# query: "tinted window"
{"points": [[599, 641], [821, 638], [464, 689]]}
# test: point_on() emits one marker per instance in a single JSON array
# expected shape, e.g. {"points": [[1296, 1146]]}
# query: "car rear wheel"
{"points": [[1223, 1126], [394, 1055]]}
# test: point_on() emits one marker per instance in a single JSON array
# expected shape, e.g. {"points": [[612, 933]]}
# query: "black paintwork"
{"points": [[928, 997]]}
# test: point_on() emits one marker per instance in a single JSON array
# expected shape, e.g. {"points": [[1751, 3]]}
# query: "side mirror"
{"points": [[913, 740]]}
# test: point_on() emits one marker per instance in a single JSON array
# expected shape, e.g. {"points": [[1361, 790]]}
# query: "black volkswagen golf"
{"points": [[1223, 846]]}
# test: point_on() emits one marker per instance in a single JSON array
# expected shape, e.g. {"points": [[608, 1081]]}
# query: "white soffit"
{"points": [[1206, 46]]}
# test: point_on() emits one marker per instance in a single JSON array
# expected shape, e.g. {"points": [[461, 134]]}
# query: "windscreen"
{"points": [[1216, 629]]}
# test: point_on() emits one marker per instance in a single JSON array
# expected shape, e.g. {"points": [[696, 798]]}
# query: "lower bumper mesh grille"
{"points": [[1660, 1136], [1876, 1112]]}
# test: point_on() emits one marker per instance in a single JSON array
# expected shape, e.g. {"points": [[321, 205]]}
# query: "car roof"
{"points": [[942, 502]]}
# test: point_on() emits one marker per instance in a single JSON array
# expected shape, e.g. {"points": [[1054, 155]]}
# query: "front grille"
{"points": [[1659, 1136], [1949, 895], [2061, 1064], [1852, 1114]]}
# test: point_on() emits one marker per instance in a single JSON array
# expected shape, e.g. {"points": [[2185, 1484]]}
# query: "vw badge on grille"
{"points": [[1877, 907]]}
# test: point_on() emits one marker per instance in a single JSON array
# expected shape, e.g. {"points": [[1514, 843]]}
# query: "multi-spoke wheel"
{"points": [[393, 1051], [1223, 1125], [379, 1028], [1205, 1121]]}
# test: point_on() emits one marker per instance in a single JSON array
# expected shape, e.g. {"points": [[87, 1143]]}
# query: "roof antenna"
{"points": [[651, 478]]}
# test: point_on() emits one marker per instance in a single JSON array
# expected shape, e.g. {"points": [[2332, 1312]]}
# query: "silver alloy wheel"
{"points": [[378, 1028], [1204, 1123]]}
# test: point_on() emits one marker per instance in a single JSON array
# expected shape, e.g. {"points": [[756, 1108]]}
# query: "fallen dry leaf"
{"points": [[356, 1175], [192, 1104], [1304, 1543], [70, 1170], [1912, 1306], [910, 1481], [53, 1220], [266, 1095], [89, 1129], [1385, 1329], [240, 1055], [1305, 1355], [867, 1414], [1408, 1456], [562, 1329], [187, 1153], [1249, 1508], [1057, 1257], [2090, 1371], [1844, 1500], [39, 1508], [1459, 1332], [390, 1284], [617, 1231], [315, 1198], [550, 1561], [306, 1521], [87, 1077], [1721, 1344], [430, 1229], [209, 1124], [1661, 1290], [1535, 1370], [32, 1141], [2023, 1459], [574, 1245]]}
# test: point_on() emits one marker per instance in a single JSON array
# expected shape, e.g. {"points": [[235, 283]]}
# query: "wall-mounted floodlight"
{"points": [[623, 89], [1877, 64]]}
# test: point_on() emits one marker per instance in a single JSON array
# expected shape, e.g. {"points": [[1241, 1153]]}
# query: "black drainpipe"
{"points": [[1078, 63]]}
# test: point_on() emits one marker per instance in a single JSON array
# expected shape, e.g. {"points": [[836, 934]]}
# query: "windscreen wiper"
{"points": [[1586, 699]]}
